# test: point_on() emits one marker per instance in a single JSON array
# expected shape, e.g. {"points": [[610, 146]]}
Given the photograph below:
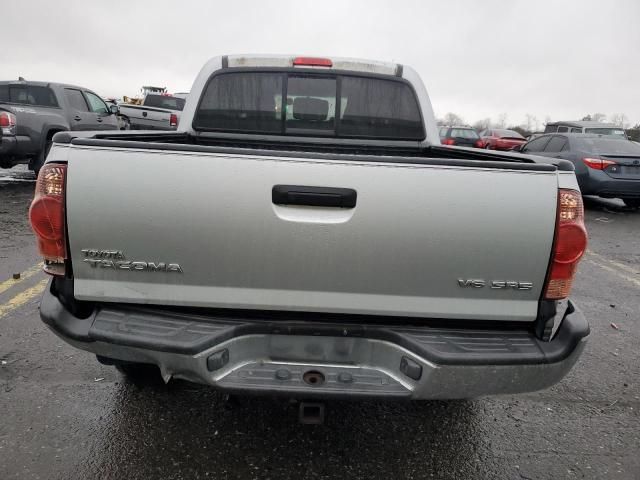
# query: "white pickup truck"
{"points": [[304, 233], [157, 112]]}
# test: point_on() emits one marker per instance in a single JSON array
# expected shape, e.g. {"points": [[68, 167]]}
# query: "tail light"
{"points": [[8, 123], [448, 141], [569, 246], [312, 62], [47, 217], [479, 143], [597, 163], [173, 120]]}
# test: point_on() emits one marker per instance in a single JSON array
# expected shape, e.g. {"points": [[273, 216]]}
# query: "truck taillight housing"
{"points": [[47, 217], [173, 120], [569, 246], [8, 123]]}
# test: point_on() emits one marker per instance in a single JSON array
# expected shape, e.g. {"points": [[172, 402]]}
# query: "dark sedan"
{"points": [[461, 136], [606, 166]]}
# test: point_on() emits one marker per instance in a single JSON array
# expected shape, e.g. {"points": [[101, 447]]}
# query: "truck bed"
{"points": [[309, 146]]}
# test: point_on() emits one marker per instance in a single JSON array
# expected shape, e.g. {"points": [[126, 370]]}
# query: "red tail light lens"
{"points": [[597, 163], [7, 123], [448, 141], [173, 120], [47, 216], [7, 119], [312, 62], [479, 144], [570, 244]]}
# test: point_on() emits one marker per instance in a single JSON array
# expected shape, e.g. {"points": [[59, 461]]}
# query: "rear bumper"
{"points": [[506, 148], [381, 361], [7, 144], [145, 126], [602, 185], [14, 148]]}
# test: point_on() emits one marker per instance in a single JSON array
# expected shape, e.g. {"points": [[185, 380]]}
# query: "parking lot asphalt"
{"points": [[65, 416]]}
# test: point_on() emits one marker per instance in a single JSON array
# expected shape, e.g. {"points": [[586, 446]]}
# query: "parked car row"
{"points": [[491, 139], [31, 113], [606, 165]]}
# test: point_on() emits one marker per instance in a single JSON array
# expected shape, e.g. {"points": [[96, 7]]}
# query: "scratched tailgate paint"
{"points": [[415, 231]]}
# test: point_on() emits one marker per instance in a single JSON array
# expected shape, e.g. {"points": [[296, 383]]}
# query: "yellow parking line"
{"points": [[30, 272], [22, 298], [613, 263], [616, 272]]}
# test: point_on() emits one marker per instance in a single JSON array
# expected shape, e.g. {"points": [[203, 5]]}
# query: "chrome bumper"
{"points": [[353, 361]]}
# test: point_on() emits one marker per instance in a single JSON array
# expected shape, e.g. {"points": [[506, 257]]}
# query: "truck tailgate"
{"points": [[201, 229], [146, 117]]}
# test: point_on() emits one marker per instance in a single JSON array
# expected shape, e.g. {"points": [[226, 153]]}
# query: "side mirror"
{"points": [[114, 109]]}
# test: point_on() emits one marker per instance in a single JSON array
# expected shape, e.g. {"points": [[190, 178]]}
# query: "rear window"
{"points": [[464, 133], [536, 145], [242, 102], [310, 104], [508, 134], [28, 95], [164, 101], [606, 131], [610, 146]]}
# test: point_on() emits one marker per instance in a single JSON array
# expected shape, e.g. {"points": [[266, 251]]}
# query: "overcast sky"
{"points": [[555, 59]]}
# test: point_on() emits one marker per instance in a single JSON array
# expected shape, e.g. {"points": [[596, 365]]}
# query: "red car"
{"points": [[496, 139]]}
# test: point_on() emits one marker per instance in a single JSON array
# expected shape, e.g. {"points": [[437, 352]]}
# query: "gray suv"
{"points": [[32, 112], [584, 126]]}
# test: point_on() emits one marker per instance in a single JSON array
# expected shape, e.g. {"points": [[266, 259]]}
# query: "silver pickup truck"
{"points": [[304, 233], [157, 112]]}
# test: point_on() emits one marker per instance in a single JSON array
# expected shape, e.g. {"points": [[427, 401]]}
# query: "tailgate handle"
{"points": [[314, 196]]}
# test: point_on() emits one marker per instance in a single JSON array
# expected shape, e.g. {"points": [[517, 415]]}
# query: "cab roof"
{"points": [[40, 84], [336, 63], [584, 124]]}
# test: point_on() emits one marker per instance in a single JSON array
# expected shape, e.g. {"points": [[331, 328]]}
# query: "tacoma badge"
{"points": [[115, 260]]}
